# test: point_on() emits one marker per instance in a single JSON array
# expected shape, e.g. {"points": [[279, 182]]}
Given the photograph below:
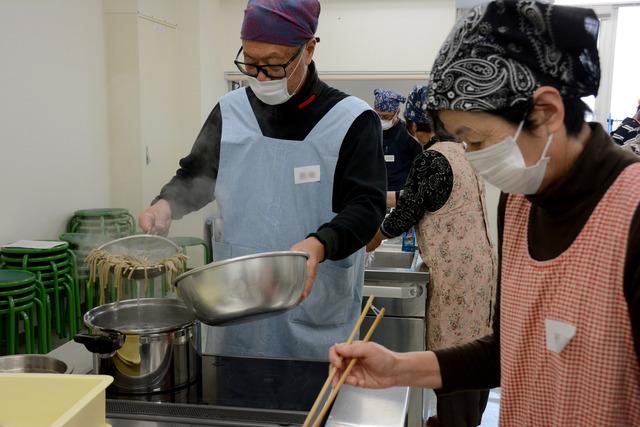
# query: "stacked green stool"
{"points": [[55, 269], [113, 222], [185, 241], [81, 244], [23, 297]]}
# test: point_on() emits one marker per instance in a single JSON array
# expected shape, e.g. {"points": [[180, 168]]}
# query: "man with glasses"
{"points": [[293, 164]]}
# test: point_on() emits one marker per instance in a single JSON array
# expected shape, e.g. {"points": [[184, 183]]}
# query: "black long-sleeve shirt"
{"points": [[399, 149], [557, 217], [359, 189]]}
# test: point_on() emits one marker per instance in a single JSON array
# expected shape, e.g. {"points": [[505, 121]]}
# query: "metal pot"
{"points": [[33, 364], [146, 345]]}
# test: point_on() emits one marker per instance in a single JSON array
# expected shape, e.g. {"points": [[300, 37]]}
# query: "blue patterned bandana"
{"points": [[416, 109], [498, 54], [387, 101]]}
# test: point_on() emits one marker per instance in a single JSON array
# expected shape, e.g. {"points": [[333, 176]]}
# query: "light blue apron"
{"points": [[262, 209]]}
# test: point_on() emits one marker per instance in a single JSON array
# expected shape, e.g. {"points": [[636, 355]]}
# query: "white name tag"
{"points": [[306, 174], [390, 158], [558, 334]]}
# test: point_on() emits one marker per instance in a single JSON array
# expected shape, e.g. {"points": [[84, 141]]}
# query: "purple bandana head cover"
{"points": [[283, 22]]}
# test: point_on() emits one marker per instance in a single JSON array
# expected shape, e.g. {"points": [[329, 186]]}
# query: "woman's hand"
{"points": [[375, 242], [374, 369], [378, 367]]}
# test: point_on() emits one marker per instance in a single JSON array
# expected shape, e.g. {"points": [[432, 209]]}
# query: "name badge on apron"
{"points": [[306, 174], [558, 334], [390, 158]]}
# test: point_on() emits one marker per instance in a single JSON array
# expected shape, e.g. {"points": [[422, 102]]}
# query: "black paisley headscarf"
{"points": [[501, 52]]}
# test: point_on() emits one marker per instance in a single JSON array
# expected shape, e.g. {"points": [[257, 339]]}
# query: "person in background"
{"points": [[444, 200], [399, 148], [565, 345], [293, 164], [628, 130], [419, 126]]}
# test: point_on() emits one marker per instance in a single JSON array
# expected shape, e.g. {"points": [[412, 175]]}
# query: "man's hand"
{"points": [[315, 249], [156, 219], [376, 241]]}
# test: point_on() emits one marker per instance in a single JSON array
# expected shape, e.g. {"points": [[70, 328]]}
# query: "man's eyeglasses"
{"points": [[276, 71]]}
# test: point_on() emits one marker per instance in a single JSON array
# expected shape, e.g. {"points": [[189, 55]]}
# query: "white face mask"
{"points": [[387, 124], [503, 166], [274, 92]]}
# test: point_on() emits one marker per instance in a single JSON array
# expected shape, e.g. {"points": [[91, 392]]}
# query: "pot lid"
{"points": [[140, 317]]}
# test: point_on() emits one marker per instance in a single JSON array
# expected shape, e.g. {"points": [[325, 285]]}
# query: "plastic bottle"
{"points": [[409, 240]]}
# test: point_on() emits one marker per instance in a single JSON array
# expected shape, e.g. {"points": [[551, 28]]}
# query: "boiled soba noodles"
{"points": [[101, 262]]}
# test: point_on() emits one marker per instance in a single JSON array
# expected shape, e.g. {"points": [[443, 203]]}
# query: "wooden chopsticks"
{"points": [[333, 371], [346, 373]]}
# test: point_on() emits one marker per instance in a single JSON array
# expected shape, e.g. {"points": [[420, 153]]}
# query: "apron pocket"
{"points": [[332, 296]]}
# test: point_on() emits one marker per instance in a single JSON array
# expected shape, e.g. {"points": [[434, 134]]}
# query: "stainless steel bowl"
{"points": [[33, 364], [243, 288]]}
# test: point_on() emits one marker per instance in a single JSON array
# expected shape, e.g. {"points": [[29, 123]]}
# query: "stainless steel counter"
{"points": [[370, 408], [353, 408], [399, 282]]}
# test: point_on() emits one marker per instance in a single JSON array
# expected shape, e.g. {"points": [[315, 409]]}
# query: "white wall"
{"points": [[213, 52], [54, 155], [123, 94], [626, 84], [159, 108], [382, 35], [357, 35]]}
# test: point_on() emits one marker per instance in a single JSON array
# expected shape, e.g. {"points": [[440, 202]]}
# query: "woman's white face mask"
{"points": [[275, 92], [503, 166]]}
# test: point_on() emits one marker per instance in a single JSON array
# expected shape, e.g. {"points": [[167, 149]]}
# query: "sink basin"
{"points": [[398, 280], [392, 259], [390, 267]]}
